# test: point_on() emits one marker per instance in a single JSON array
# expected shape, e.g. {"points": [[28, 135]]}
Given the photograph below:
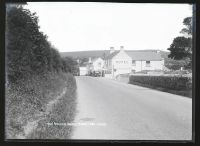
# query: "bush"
{"points": [[34, 73], [26, 98], [180, 72], [62, 112], [168, 82], [70, 65], [27, 49]]}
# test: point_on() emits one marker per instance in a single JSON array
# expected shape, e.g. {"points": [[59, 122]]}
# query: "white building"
{"points": [[83, 71], [118, 62], [146, 60], [95, 64], [125, 62]]}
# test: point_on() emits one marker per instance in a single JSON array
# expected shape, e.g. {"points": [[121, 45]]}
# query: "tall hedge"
{"points": [[27, 50], [70, 65]]}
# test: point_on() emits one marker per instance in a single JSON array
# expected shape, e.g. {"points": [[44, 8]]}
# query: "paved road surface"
{"points": [[108, 109]]}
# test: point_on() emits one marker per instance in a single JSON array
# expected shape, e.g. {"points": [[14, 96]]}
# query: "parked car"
{"points": [[97, 74]]}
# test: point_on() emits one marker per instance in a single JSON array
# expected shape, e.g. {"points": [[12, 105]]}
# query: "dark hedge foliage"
{"points": [[168, 82], [35, 75], [27, 50]]}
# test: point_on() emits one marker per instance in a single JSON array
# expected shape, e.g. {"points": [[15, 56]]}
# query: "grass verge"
{"points": [[28, 101]]}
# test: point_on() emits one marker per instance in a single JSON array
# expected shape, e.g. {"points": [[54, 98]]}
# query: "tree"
{"points": [[181, 47], [21, 31], [188, 23], [104, 56], [27, 50], [70, 65], [83, 61], [175, 64], [56, 60]]}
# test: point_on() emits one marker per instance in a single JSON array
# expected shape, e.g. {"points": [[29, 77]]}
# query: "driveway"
{"points": [[108, 109]]}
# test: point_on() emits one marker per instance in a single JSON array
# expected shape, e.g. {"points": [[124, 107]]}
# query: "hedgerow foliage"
{"points": [[35, 74], [168, 82], [27, 50]]}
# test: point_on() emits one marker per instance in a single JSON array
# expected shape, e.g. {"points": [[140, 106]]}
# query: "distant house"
{"points": [[118, 62], [95, 64], [82, 70], [146, 60], [124, 62]]}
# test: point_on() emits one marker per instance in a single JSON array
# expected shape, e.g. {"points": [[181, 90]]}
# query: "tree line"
{"points": [[181, 47], [28, 52]]}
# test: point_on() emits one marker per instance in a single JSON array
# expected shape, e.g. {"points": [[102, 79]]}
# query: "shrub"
{"points": [[168, 82], [33, 72], [26, 98], [70, 65], [62, 112], [27, 49]]}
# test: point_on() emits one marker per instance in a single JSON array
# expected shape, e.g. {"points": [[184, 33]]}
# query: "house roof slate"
{"points": [[110, 56], [144, 55], [94, 59]]}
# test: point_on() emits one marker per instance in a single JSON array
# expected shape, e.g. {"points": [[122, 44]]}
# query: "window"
{"points": [[120, 62], [133, 62], [99, 64], [147, 63]]}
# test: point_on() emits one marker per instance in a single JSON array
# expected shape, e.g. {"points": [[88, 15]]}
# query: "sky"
{"points": [[81, 26]]}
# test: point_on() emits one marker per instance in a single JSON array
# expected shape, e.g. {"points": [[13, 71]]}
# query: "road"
{"points": [[111, 110]]}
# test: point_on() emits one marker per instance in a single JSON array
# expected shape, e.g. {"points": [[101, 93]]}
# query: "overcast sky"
{"points": [[78, 26]]}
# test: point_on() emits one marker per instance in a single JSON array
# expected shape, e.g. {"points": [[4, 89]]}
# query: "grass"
{"points": [[62, 112], [27, 99]]}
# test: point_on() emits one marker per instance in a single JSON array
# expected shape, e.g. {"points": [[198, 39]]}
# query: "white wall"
{"points": [[96, 66], [83, 71], [127, 67], [154, 65], [122, 63]]}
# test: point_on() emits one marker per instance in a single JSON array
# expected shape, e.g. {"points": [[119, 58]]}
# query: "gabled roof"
{"points": [[102, 53], [110, 56], [86, 54], [144, 55], [84, 64], [94, 59]]}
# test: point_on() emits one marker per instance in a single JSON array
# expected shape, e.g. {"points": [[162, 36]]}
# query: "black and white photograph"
{"points": [[99, 71]]}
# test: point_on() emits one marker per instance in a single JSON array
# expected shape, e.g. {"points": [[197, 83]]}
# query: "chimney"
{"points": [[121, 48], [90, 60], [112, 50]]}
